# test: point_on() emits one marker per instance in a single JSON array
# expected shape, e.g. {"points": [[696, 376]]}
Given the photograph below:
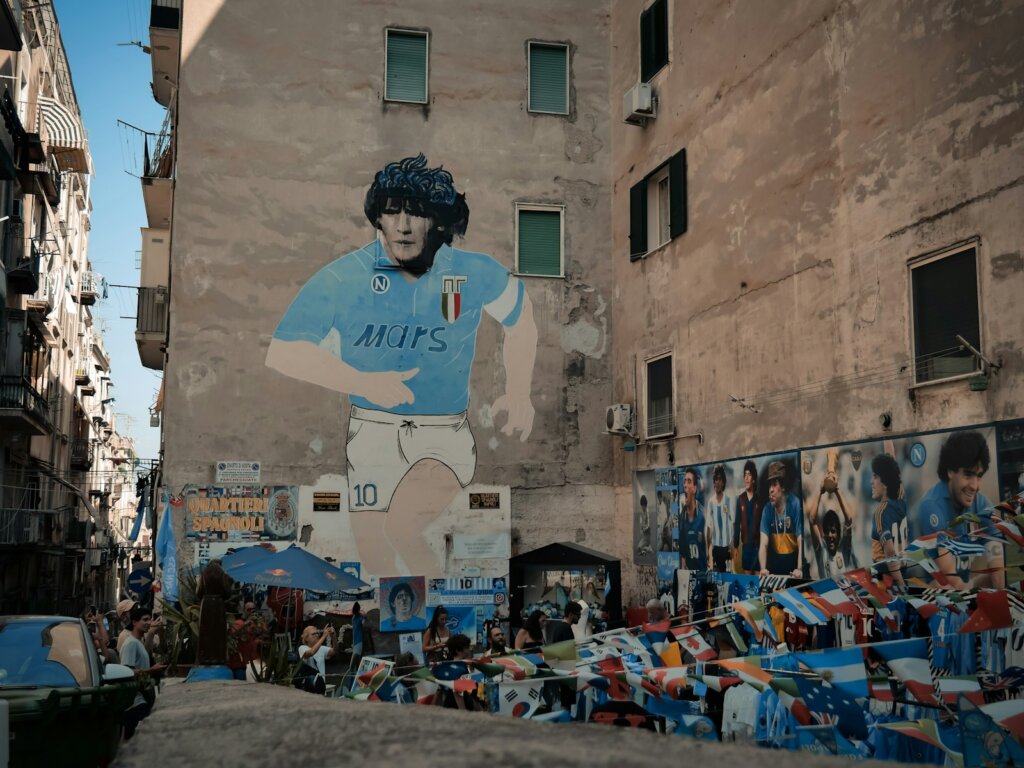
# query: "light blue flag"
{"points": [[167, 555], [140, 513]]}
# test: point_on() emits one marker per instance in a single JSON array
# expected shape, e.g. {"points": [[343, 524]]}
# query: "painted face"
{"points": [[964, 485], [832, 539], [405, 236], [748, 481], [775, 492], [877, 488], [719, 485], [403, 603], [689, 487]]}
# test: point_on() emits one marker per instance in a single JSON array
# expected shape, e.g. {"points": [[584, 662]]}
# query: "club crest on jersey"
{"points": [[451, 297]]}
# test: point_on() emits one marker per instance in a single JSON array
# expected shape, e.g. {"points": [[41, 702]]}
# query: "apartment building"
{"points": [[740, 235], [56, 398]]}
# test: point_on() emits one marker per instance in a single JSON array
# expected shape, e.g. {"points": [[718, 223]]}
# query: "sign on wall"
{"points": [[484, 546], [240, 513], [229, 472]]}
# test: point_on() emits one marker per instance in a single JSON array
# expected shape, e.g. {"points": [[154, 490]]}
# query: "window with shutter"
{"points": [[405, 77], [660, 419], [539, 240], [657, 207], [945, 304], [549, 78], [653, 39]]}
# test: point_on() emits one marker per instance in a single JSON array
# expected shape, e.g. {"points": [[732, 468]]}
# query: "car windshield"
{"points": [[44, 653]]}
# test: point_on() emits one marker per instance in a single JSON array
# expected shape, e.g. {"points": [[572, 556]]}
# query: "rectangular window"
{"points": [[539, 240], [653, 39], [657, 207], [945, 302], [549, 78], [659, 397], [405, 72]]}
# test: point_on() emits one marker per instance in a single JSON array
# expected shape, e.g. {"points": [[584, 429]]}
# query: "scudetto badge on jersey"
{"points": [[451, 297]]}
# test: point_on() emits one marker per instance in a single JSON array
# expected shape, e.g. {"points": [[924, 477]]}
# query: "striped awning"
{"points": [[65, 135]]}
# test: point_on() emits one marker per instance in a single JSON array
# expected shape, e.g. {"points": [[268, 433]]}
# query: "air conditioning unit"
{"points": [[619, 419], [639, 105]]}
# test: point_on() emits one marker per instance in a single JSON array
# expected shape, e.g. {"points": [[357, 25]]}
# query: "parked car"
{"points": [[65, 707]]}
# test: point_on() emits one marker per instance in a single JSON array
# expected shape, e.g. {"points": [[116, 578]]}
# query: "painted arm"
{"points": [[947, 566], [306, 361], [895, 569], [763, 562], [519, 351]]}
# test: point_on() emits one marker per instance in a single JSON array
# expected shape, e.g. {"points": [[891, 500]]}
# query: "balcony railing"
{"points": [[20, 262], [90, 284], [17, 394], [16, 527], [81, 454], [152, 312]]}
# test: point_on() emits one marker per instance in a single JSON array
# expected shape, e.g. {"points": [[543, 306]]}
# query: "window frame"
{"points": [[529, 58], [924, 260], [655, 225], [644, 15], [547, 208], [639, 207], [648, 361], [426, 63]]}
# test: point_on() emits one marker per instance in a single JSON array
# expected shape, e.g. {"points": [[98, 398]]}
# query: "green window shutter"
{"points": [[540, 243], [407, 67], [549, 81], [677, 193]]}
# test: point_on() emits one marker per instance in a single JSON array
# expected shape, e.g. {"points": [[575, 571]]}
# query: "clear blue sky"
{"points": [[113, 82]]}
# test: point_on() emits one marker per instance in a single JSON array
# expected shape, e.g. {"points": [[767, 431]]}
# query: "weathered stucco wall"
{"points": [[281, 129], [828, 143]]}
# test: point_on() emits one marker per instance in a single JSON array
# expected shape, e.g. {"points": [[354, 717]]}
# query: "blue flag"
{"points": [[833, 706], [167, 555], [140, 513]]}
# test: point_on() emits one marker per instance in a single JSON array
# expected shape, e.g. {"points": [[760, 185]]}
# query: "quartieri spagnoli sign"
{"points": [[215, 512]]}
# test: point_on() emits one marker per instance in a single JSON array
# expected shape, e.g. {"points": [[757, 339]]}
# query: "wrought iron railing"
{"points": [[152, 311], [15, 526], [18, 393]]}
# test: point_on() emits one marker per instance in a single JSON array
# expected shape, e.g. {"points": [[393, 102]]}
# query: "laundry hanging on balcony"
{"points": [[66, 136]]}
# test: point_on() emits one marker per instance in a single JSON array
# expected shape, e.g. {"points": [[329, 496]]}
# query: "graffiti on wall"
{"points": [[393, 324], [824, 511]]}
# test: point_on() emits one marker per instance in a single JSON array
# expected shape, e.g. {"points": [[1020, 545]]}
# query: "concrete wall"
{"points": [[828, 143], [281, 128]]}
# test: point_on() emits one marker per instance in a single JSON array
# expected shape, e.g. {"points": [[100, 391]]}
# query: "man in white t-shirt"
{"points": [[719, 516], [315, 651]]}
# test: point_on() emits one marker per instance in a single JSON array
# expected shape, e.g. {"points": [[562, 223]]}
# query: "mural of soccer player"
{"points": [[747, 522], [718, 511], [394, 325], [963, 461], [889, 522], [782, 525], [831, 524], [692, 525]]}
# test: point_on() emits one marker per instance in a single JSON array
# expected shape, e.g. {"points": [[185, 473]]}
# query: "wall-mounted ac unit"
{"points": [[619, 419], [638, 104]]}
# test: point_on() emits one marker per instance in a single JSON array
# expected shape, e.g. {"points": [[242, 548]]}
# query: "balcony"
{"points": [[83, 377], [87, 294], [20, 263], [81, 454], [151, 326], [165, 45], [42, 178], [45, 298], [17, 527], [22, 408]]}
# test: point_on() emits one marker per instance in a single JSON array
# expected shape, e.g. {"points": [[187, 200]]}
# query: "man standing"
{"points": [[719, 531], [963, 461], [562, 630], [135, 655], [747, 524], [832, 533], [782, 525], [394, 325], [692, 526]]}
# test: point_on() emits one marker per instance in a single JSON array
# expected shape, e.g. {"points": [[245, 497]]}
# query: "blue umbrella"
{"points": [[295, 568], [244, 556]]}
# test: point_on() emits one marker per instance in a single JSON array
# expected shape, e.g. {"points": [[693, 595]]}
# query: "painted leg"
{"points": [[376, 553], [426, 491]]}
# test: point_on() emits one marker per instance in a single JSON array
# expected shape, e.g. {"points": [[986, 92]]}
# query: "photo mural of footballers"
{"points": [[645, 529], [393, 325], [867, 501], [666, 484], [693, 547]]}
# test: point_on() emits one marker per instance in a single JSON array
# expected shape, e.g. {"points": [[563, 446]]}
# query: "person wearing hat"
{"points": [[782, 525], [124, 609]]}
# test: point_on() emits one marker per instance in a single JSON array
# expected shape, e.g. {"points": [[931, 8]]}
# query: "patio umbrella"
{"points": [[296, 568], [244, 556]]}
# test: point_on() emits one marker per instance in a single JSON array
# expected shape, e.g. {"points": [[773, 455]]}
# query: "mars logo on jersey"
{"points": [[451, 297]]}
